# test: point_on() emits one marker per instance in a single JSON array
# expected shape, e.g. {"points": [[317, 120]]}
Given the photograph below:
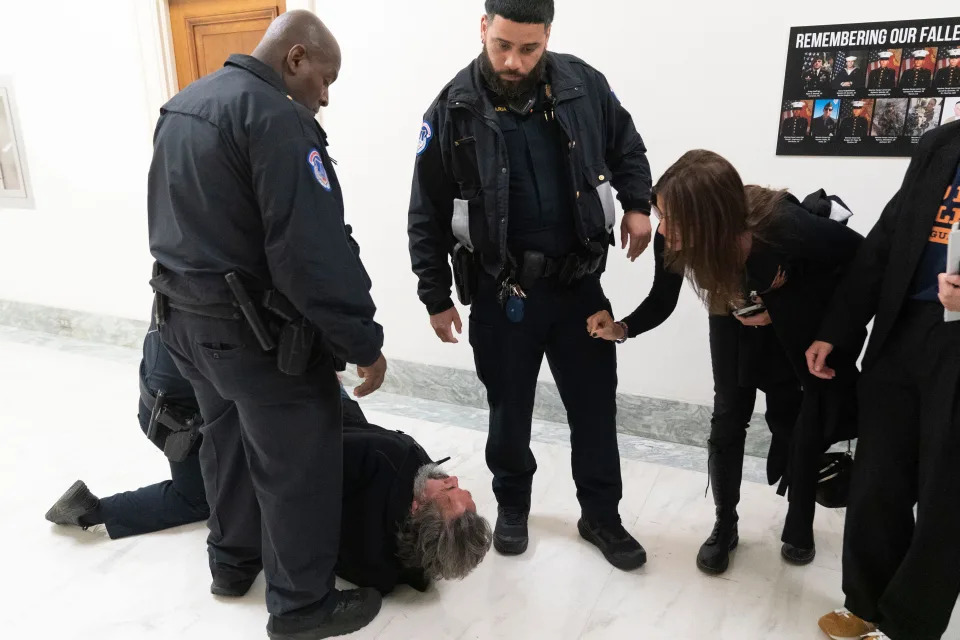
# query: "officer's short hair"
{"points": [[446, 549], [522, 11]]}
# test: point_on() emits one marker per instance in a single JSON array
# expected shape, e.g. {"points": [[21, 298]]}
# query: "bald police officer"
{"points": [[260, 291]]}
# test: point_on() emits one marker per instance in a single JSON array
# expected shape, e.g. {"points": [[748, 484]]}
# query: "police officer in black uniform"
{"points": [[512, 176], [260, 291], [918, 76], [884, 77]]}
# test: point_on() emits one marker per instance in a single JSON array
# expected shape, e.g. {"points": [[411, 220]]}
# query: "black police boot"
{"points": [[343, 612], [618, 547], [726, 470], [510, 536], [77, 507], [229, 587], [796, 555]]}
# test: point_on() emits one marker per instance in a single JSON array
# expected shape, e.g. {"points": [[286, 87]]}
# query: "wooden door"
{"points": [[206, 32]]}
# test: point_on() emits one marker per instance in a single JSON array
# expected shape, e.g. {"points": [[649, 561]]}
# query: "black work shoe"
{"points": [[797, 556], [75, 507], [510, 536], [618, 547], [714, 556], [231, 587], [343, 612]]}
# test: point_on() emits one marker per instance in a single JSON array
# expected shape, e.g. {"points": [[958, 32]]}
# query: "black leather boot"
{"points": [[726, 469]]}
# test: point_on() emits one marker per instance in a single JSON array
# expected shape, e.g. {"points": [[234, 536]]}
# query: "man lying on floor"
{"points": [[404, 521]]}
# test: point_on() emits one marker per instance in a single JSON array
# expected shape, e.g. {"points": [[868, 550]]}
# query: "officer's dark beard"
{"points": [[512, 90]]}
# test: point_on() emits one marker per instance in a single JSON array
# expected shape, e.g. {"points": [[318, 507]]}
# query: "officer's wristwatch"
{"points": [[626, 332]]}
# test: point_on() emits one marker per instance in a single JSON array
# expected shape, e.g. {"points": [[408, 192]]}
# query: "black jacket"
{"points": [[379, 467], [823, 127], [810, 251], [241, 181], [882, 79], [463, 157], [878, 282]]}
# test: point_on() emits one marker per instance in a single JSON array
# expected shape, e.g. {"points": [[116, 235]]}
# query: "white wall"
{"points": [[693, 73]]}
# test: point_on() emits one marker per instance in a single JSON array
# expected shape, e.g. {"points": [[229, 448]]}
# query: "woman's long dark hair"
{"points": [[709, 210]]}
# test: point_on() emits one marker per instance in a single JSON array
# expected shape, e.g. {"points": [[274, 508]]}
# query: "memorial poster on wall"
{"points": [[869, 89]]}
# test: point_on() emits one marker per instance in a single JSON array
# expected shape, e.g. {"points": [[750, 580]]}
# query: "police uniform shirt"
{"points": [[241, 181], [854, 127], [916, 78], [541, 214], [883, 79], [948, 77], [795, 127]]}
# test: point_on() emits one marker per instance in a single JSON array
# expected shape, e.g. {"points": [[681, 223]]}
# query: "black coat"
{"points": [[463, 161], [878, 282], [379, 468], [823, 127], [241, 181], [882, 79], [810, 251]]}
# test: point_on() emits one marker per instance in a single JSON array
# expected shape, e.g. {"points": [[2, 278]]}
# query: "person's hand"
{"points": [[817, 360], [758, 320], [372, 377], [950, 292], [442, 322], [635, 230], [602, 325]]}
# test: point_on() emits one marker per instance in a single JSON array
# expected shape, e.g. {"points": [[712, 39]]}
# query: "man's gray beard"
{"points": [[428, 471], [512, 91]]}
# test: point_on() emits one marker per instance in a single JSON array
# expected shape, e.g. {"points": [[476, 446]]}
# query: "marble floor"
{"points": [[68, 412]]}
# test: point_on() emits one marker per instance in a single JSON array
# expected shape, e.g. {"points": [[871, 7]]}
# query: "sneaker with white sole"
{"points": [[843, 625]]}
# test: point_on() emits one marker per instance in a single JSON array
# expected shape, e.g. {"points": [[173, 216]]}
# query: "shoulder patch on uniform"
{"points": [[315, 160], [426, 134]]}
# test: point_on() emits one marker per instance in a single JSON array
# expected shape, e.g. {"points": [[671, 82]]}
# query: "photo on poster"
{"points": [[849, 70], [795, 118], [825, 113], [856, 117], [951, 111], [948, 68], [890, 116], [923, 116], [883, 68], [918, 68], [817, 72]]}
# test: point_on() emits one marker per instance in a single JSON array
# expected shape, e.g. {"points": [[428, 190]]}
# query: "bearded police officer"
{"points": [[260, 291], [513, 178]]}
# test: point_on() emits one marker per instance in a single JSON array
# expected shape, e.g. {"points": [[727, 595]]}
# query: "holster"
{"points": [[466, 272], [173, 429]]}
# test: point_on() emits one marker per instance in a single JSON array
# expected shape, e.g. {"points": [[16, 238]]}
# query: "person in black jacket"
{"points": [[741, 248], [900, 573], [513, 177], [241, 185], [404, 520]]}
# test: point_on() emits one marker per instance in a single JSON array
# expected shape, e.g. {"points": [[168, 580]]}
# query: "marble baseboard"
{"points": [[652, 418]]}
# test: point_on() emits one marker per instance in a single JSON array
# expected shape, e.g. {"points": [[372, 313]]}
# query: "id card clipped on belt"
{"points": [[953, 266]]}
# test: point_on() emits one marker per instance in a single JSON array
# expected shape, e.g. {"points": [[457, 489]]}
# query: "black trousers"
{"points": [[899, 572], [508, 357], [171, 503], [745, 360], [271, 459]]}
